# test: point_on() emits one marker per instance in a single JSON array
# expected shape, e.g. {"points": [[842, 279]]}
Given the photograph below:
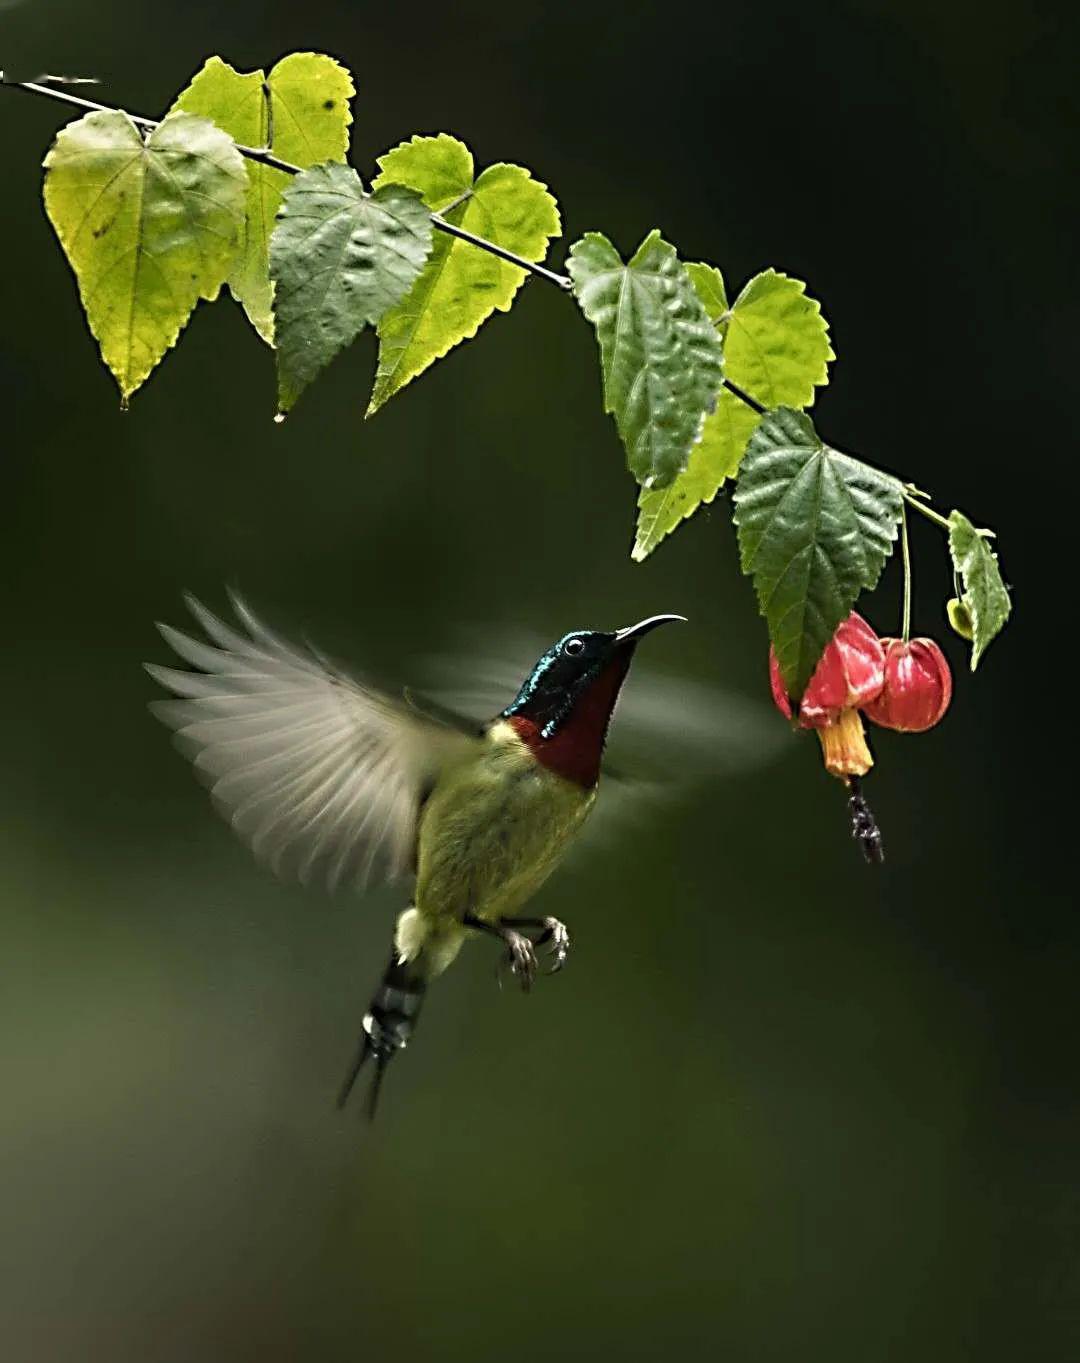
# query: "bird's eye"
{"points": [[573, 648]]}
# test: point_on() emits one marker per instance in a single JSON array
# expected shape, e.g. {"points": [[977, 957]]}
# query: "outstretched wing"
{"points": [[318, 774]]}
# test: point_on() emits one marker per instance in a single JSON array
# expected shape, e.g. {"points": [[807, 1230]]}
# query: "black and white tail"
{"points": [[388, 1025]]}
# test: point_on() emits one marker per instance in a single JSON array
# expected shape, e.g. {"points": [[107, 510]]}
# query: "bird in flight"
{"points": [[322, 774]]}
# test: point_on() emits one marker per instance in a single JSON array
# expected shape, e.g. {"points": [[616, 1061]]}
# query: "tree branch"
{"points": [[752, 403], [263, 157]]}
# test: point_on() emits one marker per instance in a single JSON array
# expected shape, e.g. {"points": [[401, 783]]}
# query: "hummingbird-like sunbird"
{"points": [[321, 773]]}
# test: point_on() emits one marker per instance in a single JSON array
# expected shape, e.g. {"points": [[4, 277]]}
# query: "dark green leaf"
{"points": [[985, 594], [660, 354], [339, 258], [815, 529], [776, 347]]}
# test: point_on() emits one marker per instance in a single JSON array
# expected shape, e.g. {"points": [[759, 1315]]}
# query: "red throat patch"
{"points": [[575, 749]]}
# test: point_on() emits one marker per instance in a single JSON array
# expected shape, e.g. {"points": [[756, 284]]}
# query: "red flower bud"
{"points": [[918, 687], [849, 674]]}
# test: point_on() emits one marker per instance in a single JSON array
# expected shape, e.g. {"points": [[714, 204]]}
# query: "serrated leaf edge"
{"points": [[375, 402], [820, 448], [979, 644], [815, 307]]}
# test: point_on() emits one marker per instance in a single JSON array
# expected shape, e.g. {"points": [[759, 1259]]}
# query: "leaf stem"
{"points": [[266, 158], [906, 634], [268, 109], [928, 511]]}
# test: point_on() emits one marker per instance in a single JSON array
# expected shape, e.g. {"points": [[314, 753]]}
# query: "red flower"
{"points": [[849, 676], [918, 687]]}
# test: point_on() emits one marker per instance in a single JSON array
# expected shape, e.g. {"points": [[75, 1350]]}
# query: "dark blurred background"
{"points": [[782, 1105]]}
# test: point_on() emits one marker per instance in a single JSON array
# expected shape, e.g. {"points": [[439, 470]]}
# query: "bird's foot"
{"points": [[520, 954], [520, 957], [553, 935], [556, 938]]}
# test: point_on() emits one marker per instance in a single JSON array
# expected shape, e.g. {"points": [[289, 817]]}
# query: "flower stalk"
{"points": [[905, 632]]}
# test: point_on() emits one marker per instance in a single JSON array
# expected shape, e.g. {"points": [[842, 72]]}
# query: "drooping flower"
{"points": [[917, 689], [850, 674]]}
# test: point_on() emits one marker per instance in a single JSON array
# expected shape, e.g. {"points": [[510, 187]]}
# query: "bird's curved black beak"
{"points": [[633, 633]]}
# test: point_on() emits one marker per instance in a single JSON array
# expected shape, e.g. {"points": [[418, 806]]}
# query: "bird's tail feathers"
{"points": [[388, 1025]]}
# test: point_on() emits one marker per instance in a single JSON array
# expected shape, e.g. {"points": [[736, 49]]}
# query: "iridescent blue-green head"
{"points": [[564, 707]]}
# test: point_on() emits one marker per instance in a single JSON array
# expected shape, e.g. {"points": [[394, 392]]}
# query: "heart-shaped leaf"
{"points": [[305, 103], [660, 354], [776, 348], [148, 226], [461, 285], [339, 259], [776, 343], [815, 529]]}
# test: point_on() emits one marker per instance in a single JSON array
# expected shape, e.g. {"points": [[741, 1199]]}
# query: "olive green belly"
{"points": [[491, 833]]}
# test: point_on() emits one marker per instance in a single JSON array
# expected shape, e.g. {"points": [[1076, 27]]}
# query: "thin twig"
{"points": [[752, 403], [263, 157], [463, 197], [563, 281]]}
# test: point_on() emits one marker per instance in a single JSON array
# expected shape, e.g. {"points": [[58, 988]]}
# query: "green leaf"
{"points": [[309, 96], [776, 346], [339, 258], [815, 529], [985, 594], [709, 283], [712, 460], [461, 285], [149, 227], [660, 354]]}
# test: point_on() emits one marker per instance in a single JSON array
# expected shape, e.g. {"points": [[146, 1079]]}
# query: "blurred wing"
{"points": [[669, 736], [317, 773]]}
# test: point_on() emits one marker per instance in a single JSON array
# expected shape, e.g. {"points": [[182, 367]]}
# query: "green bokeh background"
{"points": [[781, 1106]]}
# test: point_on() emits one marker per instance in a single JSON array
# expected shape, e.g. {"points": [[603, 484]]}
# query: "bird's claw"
{"points": [[521, 959], [557, 940], [520, 955]]}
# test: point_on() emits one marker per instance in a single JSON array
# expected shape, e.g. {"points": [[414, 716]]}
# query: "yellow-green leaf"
{"points": [[461, 285], [149, 227], [776, 348], [709, 283], [306, 98], [712, 460]]}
